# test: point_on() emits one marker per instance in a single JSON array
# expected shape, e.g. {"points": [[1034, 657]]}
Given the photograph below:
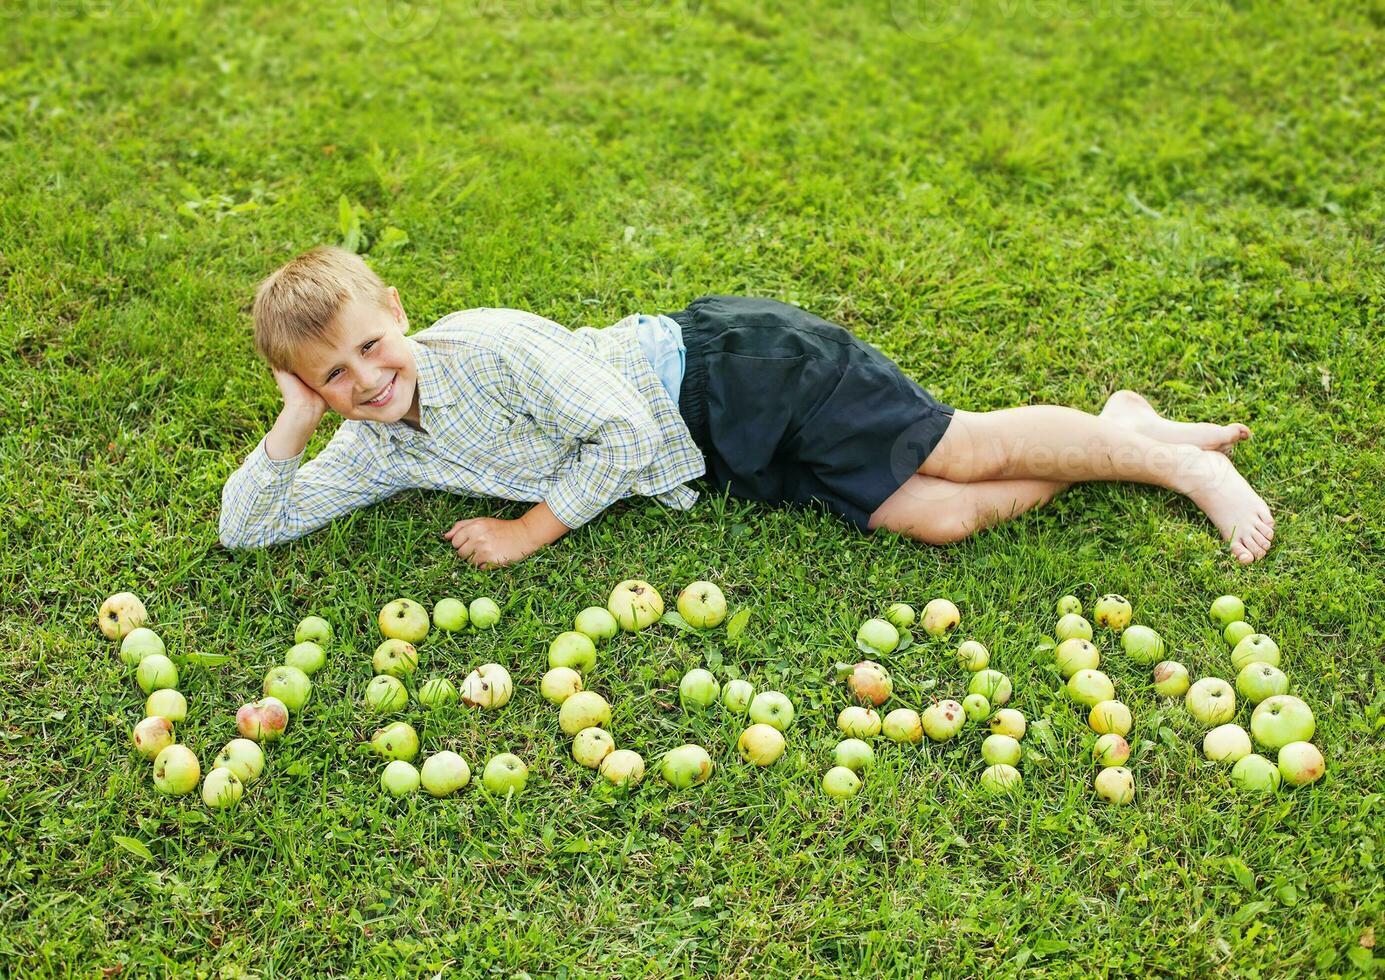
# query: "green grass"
{"points": [[1050, 203]]}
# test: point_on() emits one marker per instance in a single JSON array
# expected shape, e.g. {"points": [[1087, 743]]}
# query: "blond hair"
{"points": [[298, 302]]}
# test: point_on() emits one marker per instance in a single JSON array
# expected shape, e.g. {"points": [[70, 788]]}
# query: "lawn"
{"points": [[1020, 202]]}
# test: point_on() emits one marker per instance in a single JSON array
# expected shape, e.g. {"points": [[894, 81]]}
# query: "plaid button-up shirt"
{"points": [[511, 405]]}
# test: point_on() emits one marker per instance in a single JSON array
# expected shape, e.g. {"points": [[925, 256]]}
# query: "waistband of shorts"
{"points": [[692, 394]]}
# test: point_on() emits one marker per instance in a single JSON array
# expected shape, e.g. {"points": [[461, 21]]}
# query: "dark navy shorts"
{"points": [[790, 408]]}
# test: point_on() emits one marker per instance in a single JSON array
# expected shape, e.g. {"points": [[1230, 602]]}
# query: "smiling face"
{"points": [[364, 369]]}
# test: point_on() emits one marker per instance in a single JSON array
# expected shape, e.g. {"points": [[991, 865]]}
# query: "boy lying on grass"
{"points": [[766, 400]]}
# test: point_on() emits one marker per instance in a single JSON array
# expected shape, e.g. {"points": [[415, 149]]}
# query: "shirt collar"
{"points": [[436, 384]]}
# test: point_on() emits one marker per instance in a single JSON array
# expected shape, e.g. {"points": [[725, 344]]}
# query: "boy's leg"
{"points": [[941, 512]]}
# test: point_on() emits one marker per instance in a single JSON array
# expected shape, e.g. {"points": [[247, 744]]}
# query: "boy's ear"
{"points": [[397, 308]]}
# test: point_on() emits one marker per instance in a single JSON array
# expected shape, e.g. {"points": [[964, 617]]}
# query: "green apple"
{"points": [[869, 683], [166, 703], [449, 615], [120, 614], [591, 745], [1112, 611], [443, 773], [702, 605], [1000, 750], [1255, 649], [1008, 721], [943, 720], [139, 643], [559, 684], [772, 708], [858, 722], [504, 774], [736, 696], [585, 709], [977, 707], [1256, 682], [1072, 627], [635, 604], [1226, 743], [1110, 717], [290, 685], [488, 686], [1076, 654], [404, 619], [597, 623], [396, 741], [1069, 605], [900, 615], [992, 685], [760, 745], [1115, 785], [1236, 632], [313, 629], [685, 766], [484, 614], [1111, 750], [841, 783], [1001, 778], [1226, 610], [152, 735], [1090, 687], [1282, 719], [902, 725], [1211, 701], [436, 692], [940, 617], [243, 757], [698, 689], [307, 656], [623, 767], [1170, 679], [176, 771], [572, 649], [877, 635], [972, 655], [1300, 763], [398, 658], [854, 754], [1255, 774], [221, 789], [1142, 644], [400, 778], [155, 673], [386, 693]]}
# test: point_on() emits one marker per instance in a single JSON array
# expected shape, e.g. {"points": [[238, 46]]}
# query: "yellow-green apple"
{"points": [[120, 614], [591, 745], [396, 741], [858, 722], [597, 623], [1069, 605], [942, 720], [585, 709], [1142, 644], [386, 693], [1300, 763], [623, 767], [313, 629], [841, 783], [1073, 626], [572, 649], [1008, 721], [436, 692], [940, 617], [760, 745], [443, 773], [139, 643], [221, 789], [484, 613], [398, 658], [488, 686], [264, 720], [1110, 716], [176, 770], [1211, 701], [736, 696], [698, 689], [977, 707], [992, 685], [635, 604], [685, 766], [972, 656], [1090, 687], [1000, 750], [1255, 774], [1256, 682], [1112, 611], [772, 708], [1255, 649], [877, 635], [1226, 743], [290, 685], [1111, 750], [1001, 778], [1226, 610], [854, 754], [902, 725], [900, 615], [1115, 785], [307, 656], [152, 735], [869, 683], [1076, 654], [504, 774], [702, 605], [155, 673], [1236, 632], [404, 619], [559, 684], [166, 703], [1170, 679], [1282, 719], [449, 615], [400, 778], [243, 757]]}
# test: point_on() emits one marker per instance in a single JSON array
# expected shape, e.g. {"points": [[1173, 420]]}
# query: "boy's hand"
{"points": [[298, 397], [489, 542]]}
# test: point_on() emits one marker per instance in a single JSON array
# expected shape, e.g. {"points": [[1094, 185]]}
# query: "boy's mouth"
{"points": [[384, 396]]}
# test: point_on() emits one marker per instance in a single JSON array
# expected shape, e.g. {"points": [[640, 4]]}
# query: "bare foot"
{"points": [[1134, 409], [1240, 514]]}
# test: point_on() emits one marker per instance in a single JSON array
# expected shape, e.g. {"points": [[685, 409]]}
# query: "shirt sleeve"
{"points": [[268, 501], [549, 374]]}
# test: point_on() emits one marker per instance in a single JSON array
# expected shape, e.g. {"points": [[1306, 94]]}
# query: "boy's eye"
{"points": [[368, 345], [336, 372]]}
